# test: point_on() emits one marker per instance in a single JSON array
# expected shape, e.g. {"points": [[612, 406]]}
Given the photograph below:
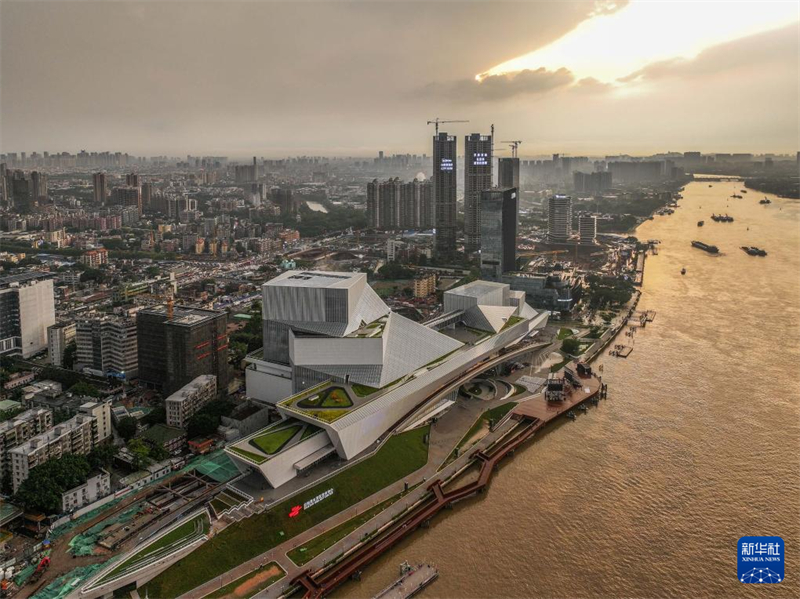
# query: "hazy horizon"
{"points": [[336, 78]]}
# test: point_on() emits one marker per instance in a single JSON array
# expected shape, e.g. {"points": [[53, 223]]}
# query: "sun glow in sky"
{"points": [[610, 46]]}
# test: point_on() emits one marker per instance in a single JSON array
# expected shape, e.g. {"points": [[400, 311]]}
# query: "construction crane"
{"points": [[514, 145], [437, 120]]}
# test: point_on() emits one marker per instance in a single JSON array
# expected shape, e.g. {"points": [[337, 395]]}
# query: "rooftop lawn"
{"points": [[273, 441], [511, 322], [400, 456], [362, 390], [333, 397], [176, 538]]}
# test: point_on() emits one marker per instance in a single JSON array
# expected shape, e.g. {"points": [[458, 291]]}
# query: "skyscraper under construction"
{"points": [[477, 177], [445, 162]]}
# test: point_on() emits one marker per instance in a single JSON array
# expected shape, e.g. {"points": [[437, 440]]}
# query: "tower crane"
{"points": [[514, 145], [437, 120]]}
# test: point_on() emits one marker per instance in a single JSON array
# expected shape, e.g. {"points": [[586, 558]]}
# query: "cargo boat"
{"points": [[711, 249]]}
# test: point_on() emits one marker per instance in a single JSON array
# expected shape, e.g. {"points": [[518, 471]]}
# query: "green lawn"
{"points": [[335, 397], [563, 333], [228, 589], [186, 531], [273, 441], [257, 458], [400, 456], [495, 414], [511, 322], [362, 390], [303, 555], [310, 430]]}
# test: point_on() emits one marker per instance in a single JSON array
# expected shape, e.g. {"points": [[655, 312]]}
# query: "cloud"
{"points": [[501, 87], [756, 51]]}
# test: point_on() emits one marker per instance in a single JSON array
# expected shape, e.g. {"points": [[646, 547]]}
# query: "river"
{"points": [[698, 444]]}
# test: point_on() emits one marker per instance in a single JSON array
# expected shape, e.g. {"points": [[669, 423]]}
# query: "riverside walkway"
{"points": [[527, 418]]}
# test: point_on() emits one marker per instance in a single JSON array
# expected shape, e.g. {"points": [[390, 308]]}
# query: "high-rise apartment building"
{"points": [[282, 197], [477, 177], [392, 204], [27, 308], [587, 229], [593, 183], [108, 344], [178, 344], [100, 188], [132, 180], [78, 435], [186, 401], [147, 196], [499, 208], [59, 336], [127, 195], [508, 173], [559, 218], [445, 163], [19, 429], [38, 185]]}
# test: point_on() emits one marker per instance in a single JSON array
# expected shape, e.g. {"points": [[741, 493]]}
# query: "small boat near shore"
{"points": [[720, 218], [753, 250], [683, 271], [766, 200], [700, 223]]}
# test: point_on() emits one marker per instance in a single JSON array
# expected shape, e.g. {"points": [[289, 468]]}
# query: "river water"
{"points": [[698, 444]]}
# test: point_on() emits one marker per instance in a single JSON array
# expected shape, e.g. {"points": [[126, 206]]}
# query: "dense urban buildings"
{"points": [[107, 346], [186, 401], [79, 435], [27, 309], [59, 336], [178, 344], [498, 217], [17, 430], [392, 204], [445, 163], [593, 183]]}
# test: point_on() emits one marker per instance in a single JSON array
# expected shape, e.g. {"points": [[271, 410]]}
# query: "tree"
{"points": [[141, 453], [157, 415], [570, 346], [102, 456], [126, 428], [69, 355], [202, 424], [84, 388], [42, 490]]}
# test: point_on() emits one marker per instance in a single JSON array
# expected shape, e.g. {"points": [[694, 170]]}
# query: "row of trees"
{"points": [[42, 490]]}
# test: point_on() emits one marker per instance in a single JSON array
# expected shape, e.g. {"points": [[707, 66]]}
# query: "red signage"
{"points": [[295, 511]]}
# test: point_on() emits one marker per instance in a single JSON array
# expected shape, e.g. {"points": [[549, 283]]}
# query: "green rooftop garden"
{"points": [[511, 322], [397, 458], [179, 537], [332, 397], [273, 441]]}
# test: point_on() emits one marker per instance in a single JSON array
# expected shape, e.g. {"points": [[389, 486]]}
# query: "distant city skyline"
{"points": [[279, 79]]}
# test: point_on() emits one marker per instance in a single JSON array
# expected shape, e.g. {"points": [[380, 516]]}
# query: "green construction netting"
{"points": [[84, 543], [215, 465], [69, 526], [64, 585]]}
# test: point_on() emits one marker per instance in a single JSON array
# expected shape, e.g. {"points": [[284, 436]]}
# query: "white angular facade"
{"points": [[355, 369]]}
